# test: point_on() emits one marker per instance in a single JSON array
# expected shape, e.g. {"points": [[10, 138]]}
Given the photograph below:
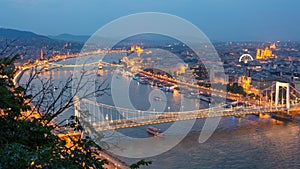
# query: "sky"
{"points": [[224, 20]]}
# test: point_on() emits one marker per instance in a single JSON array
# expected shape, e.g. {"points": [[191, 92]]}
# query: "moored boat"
{"points": [[204, 98]]}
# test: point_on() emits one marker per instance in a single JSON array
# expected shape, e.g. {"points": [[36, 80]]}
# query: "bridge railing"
{"points": [[130, 118]]}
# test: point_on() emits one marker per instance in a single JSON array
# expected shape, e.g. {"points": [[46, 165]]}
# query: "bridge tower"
{"points": [[46, 65], [285, 85], [100, 64], [76, 107]]}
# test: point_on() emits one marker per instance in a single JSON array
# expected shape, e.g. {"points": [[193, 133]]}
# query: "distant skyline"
{"points": [[225, 20]]}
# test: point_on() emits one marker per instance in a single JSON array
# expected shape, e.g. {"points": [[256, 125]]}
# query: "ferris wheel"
{"points": [[246, 58]]}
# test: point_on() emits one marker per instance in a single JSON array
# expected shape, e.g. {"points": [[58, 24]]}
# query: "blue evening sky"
{"points": [[218, 19]]}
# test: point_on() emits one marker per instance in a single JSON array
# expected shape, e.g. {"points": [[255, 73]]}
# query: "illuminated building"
{"points": [[265, 53], [245, 82], [273, 46], [258, 54], [181, 68], [138, 49]]}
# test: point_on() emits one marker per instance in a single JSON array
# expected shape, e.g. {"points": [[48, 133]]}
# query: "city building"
{"points": [[137, 48], [265, 53], [245, 82]]}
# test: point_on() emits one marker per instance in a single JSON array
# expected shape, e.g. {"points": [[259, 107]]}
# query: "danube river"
{"points": [[249, 142], [238, 142]]}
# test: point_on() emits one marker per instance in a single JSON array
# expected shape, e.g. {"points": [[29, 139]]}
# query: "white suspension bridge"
{"points": [[106, 117]]}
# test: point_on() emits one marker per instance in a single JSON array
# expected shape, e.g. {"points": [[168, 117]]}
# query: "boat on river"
{"points": [[153, 130]]}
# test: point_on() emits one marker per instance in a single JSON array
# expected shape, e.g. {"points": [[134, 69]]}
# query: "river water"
{"points": [[238, 142], [249, 142]]}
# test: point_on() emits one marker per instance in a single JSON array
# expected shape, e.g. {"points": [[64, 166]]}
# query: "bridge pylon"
{"points": [[287, 86], [100, 64], [76, 107]]}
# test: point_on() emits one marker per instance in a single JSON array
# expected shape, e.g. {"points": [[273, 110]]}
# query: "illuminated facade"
{"points": [[138, 49], [265, 53], [245, 82]]}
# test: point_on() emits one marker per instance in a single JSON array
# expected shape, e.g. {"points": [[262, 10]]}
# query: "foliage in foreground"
{"points": [[28, 141]]}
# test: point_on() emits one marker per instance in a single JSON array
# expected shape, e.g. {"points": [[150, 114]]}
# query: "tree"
{"points": [[140, 163], [28, 136], [29, 142]]}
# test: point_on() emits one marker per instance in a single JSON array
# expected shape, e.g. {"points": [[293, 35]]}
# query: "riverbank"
{"points": [[114, 162]]}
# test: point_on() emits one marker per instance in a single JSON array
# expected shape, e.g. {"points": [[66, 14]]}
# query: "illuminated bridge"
{"points": [[100, 64], [104, 117], [112, 118]]}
